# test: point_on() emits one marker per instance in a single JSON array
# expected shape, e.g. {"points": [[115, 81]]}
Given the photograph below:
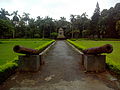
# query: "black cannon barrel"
{"points": [[107, 48], [23, 50]]}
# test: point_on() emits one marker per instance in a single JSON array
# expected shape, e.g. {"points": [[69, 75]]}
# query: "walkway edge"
{"points": [[77, 50], [74, 48], [47, 49]]}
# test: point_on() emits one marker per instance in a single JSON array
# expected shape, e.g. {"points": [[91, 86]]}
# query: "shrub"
{"points": [[54, 35], [37, 35]]}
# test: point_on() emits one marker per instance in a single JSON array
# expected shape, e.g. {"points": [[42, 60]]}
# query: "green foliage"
{"points": [[6, 70], [95, 20], [4, 14], [108, 20], [79, 23], [42, 47], [37, 35], [6, 28], [96, 39], [80, 47], [26, 17], [54, 35], [8, 65], [118, 27], [85, 33], [112, 60]]}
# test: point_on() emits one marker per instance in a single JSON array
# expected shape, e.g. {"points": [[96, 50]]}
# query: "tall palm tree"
{"points": [[72, 19], [26, 17], [15, 20], [62, 18], [4, 14]]}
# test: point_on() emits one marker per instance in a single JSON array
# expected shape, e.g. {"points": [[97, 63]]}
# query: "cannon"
{"points": [[93, 61], [107, 48], [27, 51]]}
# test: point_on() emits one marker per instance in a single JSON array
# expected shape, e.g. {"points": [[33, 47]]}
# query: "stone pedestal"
{"points": [[81, 59], [42, 62], [29, 63], [60, 34], [94, 62]]}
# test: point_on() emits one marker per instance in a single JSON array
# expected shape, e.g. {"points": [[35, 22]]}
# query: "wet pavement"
{"points": [[62, 71]]}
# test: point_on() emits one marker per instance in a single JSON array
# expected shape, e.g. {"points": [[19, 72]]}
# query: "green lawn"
{"points": [[6, 47], [112, 59]]}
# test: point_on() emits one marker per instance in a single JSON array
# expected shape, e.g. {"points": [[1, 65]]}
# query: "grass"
{"points": [[113, 59], [96, 39], [8, 56], [6, 47]]}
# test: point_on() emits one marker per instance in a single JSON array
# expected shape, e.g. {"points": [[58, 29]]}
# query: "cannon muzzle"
{"points": [[107, 48], [23, 50]]}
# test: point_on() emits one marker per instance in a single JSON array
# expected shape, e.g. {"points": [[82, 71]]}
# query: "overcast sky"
{"points": [[55, 8]]}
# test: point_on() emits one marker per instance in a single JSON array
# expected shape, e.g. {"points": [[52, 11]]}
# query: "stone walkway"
{"points": [[61, 71]]}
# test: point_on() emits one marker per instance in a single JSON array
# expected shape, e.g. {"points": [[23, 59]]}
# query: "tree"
{"points": [[32, 28], [118, 27], [103, 22], [6, 28], [82, 23], [108, 21], [26, 18], [113, 16], [15, 21], [62, 18], [15, 18], [54, 35], [73, 20], [4, 14], [39, 25], [94, 21]]}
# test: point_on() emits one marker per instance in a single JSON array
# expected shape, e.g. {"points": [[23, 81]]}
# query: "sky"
{"points": [[56, 8]]}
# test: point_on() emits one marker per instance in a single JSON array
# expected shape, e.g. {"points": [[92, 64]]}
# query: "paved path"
{"points": [[61, 71]]}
